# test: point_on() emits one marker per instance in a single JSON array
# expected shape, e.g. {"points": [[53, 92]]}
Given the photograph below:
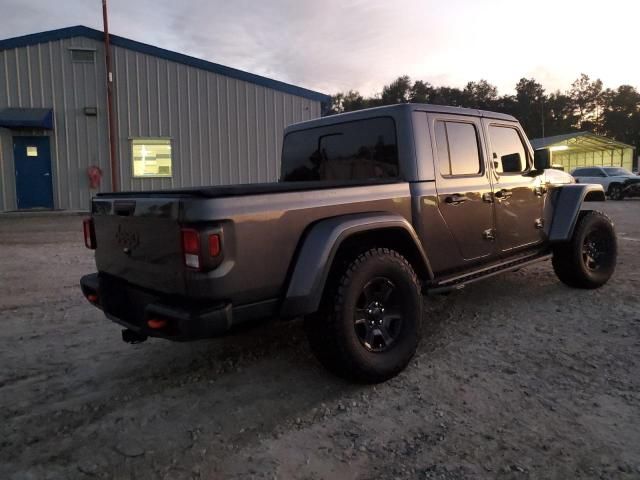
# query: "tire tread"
{"points": [[323, 329]]}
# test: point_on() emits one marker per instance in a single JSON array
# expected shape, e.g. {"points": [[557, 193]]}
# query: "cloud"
{"points": [[338, 45]]}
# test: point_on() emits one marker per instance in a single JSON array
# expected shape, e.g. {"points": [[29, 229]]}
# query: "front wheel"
{"points": [[589, 259], [616, 192], [369, 328]]}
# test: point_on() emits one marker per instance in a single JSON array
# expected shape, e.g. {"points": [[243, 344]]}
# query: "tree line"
{"points": [[586, 106]]}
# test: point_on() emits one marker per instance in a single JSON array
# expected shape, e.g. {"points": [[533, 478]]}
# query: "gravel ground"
{"points": [[517, 377]]}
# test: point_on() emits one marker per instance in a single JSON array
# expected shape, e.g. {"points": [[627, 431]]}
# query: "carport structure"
{"points": [[585, 149]]}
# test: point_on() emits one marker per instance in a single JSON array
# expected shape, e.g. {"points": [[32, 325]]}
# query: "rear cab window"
{"points": [[354, 151]]}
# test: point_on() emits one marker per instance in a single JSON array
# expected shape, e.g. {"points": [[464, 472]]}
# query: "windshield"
{"points": [[614, 172]]}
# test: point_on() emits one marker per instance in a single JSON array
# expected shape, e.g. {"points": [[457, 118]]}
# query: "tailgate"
{"points": [[138, 240]]}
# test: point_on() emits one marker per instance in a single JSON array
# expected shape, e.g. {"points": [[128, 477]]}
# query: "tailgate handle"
{"points": [[124, 209]]}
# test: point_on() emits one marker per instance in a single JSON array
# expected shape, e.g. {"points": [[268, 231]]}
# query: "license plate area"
{"points": [[123, 301]]}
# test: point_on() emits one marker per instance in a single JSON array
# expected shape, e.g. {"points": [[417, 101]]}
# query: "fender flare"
{"points": [[319, 248], [567, 203]]}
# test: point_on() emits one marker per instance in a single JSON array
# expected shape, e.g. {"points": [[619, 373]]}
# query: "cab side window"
{"points": [[509, 154], [457, 146]]}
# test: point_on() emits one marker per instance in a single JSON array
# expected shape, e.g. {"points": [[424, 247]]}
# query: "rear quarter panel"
{"points": [[267, 231]]}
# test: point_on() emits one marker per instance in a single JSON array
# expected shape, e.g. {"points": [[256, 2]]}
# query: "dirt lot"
{"points": [[517, 377]]}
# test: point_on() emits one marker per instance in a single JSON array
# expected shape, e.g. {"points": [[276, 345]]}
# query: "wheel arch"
{"points": [[567, 205], [328, 243]]}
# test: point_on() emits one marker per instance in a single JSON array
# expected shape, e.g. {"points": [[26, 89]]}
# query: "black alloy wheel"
{"points": [[369, 324], [378, 315], [588, 259], [615, 192], [596, 250]]}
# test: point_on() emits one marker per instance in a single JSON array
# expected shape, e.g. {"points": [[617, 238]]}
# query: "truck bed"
{"points": [[243, 189], [261, 226]]}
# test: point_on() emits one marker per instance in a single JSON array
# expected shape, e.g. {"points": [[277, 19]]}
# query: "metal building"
{"points": [[585, 149], [180, 121]]}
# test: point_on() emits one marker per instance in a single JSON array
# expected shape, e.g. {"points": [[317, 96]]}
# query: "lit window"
{"points": [[32, 151], [151, 157], [82, 55]]}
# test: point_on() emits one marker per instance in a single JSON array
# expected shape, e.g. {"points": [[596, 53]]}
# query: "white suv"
{"points": [[617, 182]]}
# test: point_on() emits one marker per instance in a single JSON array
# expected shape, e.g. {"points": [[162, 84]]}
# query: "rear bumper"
{"points": [[132, 307]]}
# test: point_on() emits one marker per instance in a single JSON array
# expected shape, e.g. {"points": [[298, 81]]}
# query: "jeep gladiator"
{"points": [[373, 209]]}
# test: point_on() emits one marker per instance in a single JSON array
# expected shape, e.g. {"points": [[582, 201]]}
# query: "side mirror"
{"points": [[541, 159], [511, 163]]}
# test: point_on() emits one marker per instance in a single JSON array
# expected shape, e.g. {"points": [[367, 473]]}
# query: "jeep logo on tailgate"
{"points": [[128, 240]]}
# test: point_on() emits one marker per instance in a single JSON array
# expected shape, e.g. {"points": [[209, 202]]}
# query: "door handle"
{"points": [[455, 199], [503, 194], [47, 174]]}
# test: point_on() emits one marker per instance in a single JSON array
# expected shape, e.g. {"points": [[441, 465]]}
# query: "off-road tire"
{"points": [[616, 192], [572, 260], [333, 332]]}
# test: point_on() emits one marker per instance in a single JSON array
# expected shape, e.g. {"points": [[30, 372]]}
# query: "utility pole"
{"points": [[542, 110], [110, 113]]}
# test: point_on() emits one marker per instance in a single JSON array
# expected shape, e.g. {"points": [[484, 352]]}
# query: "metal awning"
{"points": [[26, 118], [578, 142]]}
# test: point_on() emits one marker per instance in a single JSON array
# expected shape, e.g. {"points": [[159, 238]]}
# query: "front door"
{"points": [[32, 159], [463, 186], [518, 195]]}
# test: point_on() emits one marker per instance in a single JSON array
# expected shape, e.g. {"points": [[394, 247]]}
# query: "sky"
{"points": [[338, 45]]}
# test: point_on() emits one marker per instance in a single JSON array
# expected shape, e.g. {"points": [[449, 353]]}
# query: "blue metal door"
{"points": [[32, 157]]}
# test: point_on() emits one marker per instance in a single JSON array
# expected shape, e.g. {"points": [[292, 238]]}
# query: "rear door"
{"points": [[519, 196], [32, 158], [462, 183]]}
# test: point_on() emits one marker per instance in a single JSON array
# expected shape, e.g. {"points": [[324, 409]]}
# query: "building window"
{"points": [[151, 157], [82, 55]]}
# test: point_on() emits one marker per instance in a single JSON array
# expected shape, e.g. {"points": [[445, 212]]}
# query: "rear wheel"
{"points": [[369, 327], [616, 192], [589, 259]]}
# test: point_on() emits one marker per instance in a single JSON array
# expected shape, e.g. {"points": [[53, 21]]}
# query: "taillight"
{"points": [[191, 248], [89, 233], [195, 244], [214, 245]]}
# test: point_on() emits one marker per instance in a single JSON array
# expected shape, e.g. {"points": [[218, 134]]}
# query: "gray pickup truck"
{"points": [[374, 209]]}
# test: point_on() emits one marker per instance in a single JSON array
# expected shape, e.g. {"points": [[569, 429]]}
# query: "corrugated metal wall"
{"points": [[223, 130], [43, 76]]}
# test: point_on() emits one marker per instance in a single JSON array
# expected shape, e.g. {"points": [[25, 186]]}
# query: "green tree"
{"points": [[559, 114], [398, 91], [586, 96], [621, 114], [347, 102], [448, 96], [615, 113], [480, 94], [421, 92], [529, 107]]}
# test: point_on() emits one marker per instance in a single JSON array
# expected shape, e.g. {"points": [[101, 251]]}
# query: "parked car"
{"points": [[374, 208], [618, 182]]}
